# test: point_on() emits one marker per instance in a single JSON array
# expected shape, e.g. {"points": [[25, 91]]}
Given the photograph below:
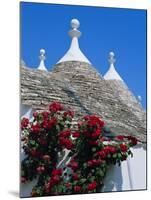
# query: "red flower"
{"points": [[92, 186], [66, 143], [68, 185], [113, 149], [24, 123], [35, 115], [35, 128], [55, 107], [55, 179], [133, 140], [96, 134], [45, 114], [57, 172], [77, 188], [65, 133], [102, 154], [73, 165], [76, 134], [75, 176], [68, 113], [47, 124], [34, 153], [94, 162], [123, 147], [94, 121], [23, 180], [120, 137], [40, 169]]}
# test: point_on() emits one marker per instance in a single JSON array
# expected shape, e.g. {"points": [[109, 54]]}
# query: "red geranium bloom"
{"points": [[75, 176], [68, 113], [23, 180], [55, 179], [96, 134], [35, 128], [113, 149], [55, 107], [68, 144], [102, 154], [123, 147], [133, 140], [65, 133], [120, 137], [40, 169], [45, 114], [35, 115], [24, 123], [92, 186], [77, 188], [76, 134], [57, 172], [73, 165], [68, 185]]}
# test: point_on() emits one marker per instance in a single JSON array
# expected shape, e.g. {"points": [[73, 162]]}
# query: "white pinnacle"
{"points": [[74, 53], [42, 57], [112, 74]]}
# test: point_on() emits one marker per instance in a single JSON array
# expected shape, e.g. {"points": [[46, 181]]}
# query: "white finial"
{"points": [[74, 53], [139, 98], [111, 59], [42, 57], [75, 23], [112, 74]]}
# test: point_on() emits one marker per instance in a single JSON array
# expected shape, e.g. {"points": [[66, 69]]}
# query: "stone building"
{"points": [[74, 82]]}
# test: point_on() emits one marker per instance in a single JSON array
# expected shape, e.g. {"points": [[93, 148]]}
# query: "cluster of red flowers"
{"points": [[64, 139], [48, 124], [54, 180], [94, 162], [48, 134], [91, 126], [68, 113], [132, 139], [92, 186], [35, 128], [24, 123], [106, 151], [73, 165], [55, 107], [93, 120]]}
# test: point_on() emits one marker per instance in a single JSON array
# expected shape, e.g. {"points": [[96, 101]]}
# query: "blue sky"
{"points": [[103, 30]]}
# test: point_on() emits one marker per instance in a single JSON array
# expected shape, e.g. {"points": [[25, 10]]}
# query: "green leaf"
{"points": [[93, 149], [114, 155], [101, 173], [83, 180]]}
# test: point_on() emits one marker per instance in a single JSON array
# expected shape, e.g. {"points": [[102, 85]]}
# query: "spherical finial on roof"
{"points": [[75, 23], [111, 58], [42, 51], [111, 54]]}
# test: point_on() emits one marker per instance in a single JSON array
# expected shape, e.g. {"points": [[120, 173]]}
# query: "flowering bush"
{"points": [[92, 149]]}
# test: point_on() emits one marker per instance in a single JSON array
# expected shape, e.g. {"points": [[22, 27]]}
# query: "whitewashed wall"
{"points": [[131, 175]]}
